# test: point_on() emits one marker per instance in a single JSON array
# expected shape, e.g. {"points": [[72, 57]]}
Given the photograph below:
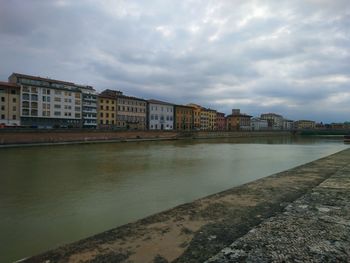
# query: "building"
{"points": [[131, 113], [287, 125], [204, 119], [220, 121], [258, 124], [275, 121], [48, 103], [9, 104], [304, 124], [196, 116], [238, 121], [211, 119], [160, 115], [183, 118], [89, 108], [107, 110]]}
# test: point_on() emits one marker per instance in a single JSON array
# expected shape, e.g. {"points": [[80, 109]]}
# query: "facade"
{"points": [[89, 107], [238, 121], [183, 118], [304, 124], [275, 121], [258, 124], [211, 119], [48, 103], [220, 121], [9, 104], [107, 111], [196, 116], [131, 113], [204, 119], [160, 115], [288, 125]]}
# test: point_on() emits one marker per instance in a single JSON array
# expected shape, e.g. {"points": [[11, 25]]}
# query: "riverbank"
{"points": [[15, 138], [196, 231]]}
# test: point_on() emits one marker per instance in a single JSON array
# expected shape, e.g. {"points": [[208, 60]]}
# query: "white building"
{"points": [[275, 121], [258, 124], [47, 103], [89, 108], [160, 115]]}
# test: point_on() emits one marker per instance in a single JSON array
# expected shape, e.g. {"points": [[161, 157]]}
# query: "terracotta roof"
{"points": [[130, 97], [184, 106], [7, 84]]}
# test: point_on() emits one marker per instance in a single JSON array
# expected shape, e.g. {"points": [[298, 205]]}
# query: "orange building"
{"points": [[238, 121], [183, 118]]}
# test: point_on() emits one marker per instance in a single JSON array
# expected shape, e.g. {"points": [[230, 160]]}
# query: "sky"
{"points": [[287, 57]]}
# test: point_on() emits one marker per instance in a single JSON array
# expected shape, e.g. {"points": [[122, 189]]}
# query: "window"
{"points": [[14, 108], [34, 90], [101, 107], [77, 95], [34, 97], [34, 112], [58, 92], [3, 116], [57, 99], [14, 100], [2, 107], [13, 91], [25, 112], [101, 114], [77, 115], [77, 108], [3, 99], [25, 104], [14, 117], [34, 105], [57, 113], [57, 106]]}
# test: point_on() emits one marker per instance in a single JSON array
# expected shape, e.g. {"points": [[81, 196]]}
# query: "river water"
{"points": [[52, 195]]}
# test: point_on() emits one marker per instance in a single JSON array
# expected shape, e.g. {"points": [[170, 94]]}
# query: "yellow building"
{"points": [[196, 115], [106, 113], [204, 119], [211, 120], [9, 104], [304, 124]]}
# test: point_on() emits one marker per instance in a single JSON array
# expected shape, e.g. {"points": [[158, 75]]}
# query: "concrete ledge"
{"points": [[196, 231], [314, 228]]}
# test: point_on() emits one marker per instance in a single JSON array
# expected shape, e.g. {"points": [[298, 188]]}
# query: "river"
{"points": [[52, 195]]}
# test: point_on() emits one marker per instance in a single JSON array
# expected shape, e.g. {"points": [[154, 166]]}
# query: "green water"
{"points": [[53, 195]]}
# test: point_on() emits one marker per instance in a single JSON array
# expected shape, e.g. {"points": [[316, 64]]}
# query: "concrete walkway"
{"points": [[314, 228]]}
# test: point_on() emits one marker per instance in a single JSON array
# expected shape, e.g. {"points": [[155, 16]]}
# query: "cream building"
{"points": [[48, 103], [9, 104]]}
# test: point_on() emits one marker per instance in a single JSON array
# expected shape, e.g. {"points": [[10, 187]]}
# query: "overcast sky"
{"points": [[288, 57]]}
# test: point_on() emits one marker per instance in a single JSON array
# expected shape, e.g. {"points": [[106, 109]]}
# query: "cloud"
{"points": [[291, 57]]}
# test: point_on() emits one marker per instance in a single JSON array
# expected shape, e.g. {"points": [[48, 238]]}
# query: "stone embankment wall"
{"points": [[22, 137], [315, 228]]}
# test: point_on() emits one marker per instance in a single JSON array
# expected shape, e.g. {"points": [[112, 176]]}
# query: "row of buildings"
{"points": [[38, 102]]}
